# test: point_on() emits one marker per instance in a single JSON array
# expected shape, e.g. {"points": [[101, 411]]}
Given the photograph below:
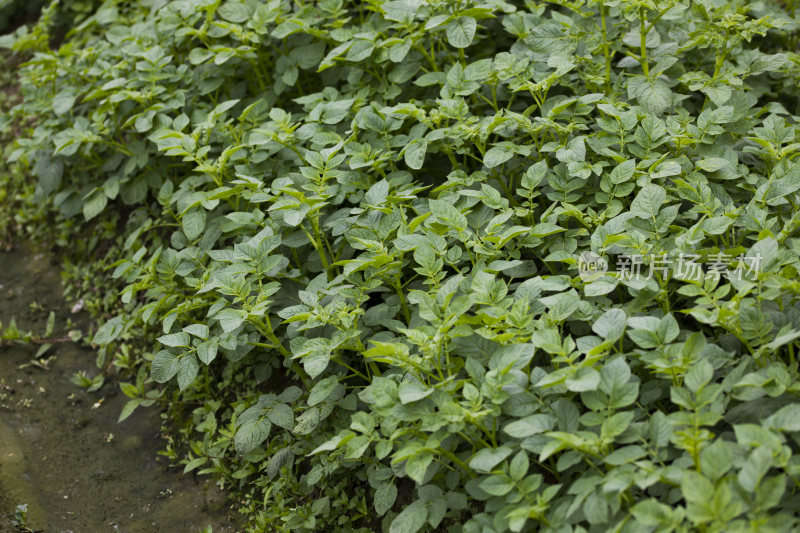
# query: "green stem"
{"points": [[318, 246], [403, 304], [351, 369], [606, 51], [296, 368], [643, 43], [450, 455]]}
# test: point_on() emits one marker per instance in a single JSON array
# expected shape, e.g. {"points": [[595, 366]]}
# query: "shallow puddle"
{"points": [[62, 451]]}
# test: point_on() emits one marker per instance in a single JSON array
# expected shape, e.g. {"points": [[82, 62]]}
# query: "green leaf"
{"points": [[175, 340], [250, 435], [497, 485], [716, 460], [198, 330], [695, 487], [600, 286], [773, 192], [528, 426], [699, 375], [461, 31], [667, 329], [486, 459], [648, 202], [446, 212], [94, 205], [187, 370], [377, 194], [573, 152], [595, 509], [199, 55], [128, 409], [207, 351], [544, 229], [786, 418], [164, 366], [624, 455], [234, 11], [108, 332], [654, 96], [417, 466], [611, 324], [415, 153], [193, 223], [230, 319], [316, 363], [410, 520], [49, 170], [519, 466], [616, 424], [385, 496], [585, 379], [322, 390], [562, 305], [496, 156], [63, 102], [623, 172], [412, 392], [713, 164], [652, 513], [282, 416], [755, 468]]}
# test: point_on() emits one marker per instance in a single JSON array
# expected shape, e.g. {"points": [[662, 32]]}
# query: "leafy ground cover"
{"points": [[433, 265]]}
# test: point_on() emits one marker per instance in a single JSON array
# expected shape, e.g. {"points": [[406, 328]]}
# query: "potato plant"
{"points": [[445, 265]]}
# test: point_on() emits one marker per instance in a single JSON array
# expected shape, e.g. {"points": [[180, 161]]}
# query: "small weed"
{"points": [[20, 520]]}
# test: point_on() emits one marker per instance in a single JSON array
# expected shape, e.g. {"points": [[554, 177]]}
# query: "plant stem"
{"points": [[643, 43], [450, 455], [606, 51], [403, 304]]}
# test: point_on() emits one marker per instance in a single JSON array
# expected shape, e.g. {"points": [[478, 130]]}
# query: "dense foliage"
{"points": [[360, 233]]}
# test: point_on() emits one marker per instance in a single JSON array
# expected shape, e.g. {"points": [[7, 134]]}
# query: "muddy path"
{"points": [[62, 451]]}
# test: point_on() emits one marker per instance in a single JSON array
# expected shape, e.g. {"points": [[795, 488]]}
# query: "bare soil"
{"points": [[62, 451]]}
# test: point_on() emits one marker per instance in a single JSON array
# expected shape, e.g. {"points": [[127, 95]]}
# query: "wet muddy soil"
{"points": [[62, 451]]}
